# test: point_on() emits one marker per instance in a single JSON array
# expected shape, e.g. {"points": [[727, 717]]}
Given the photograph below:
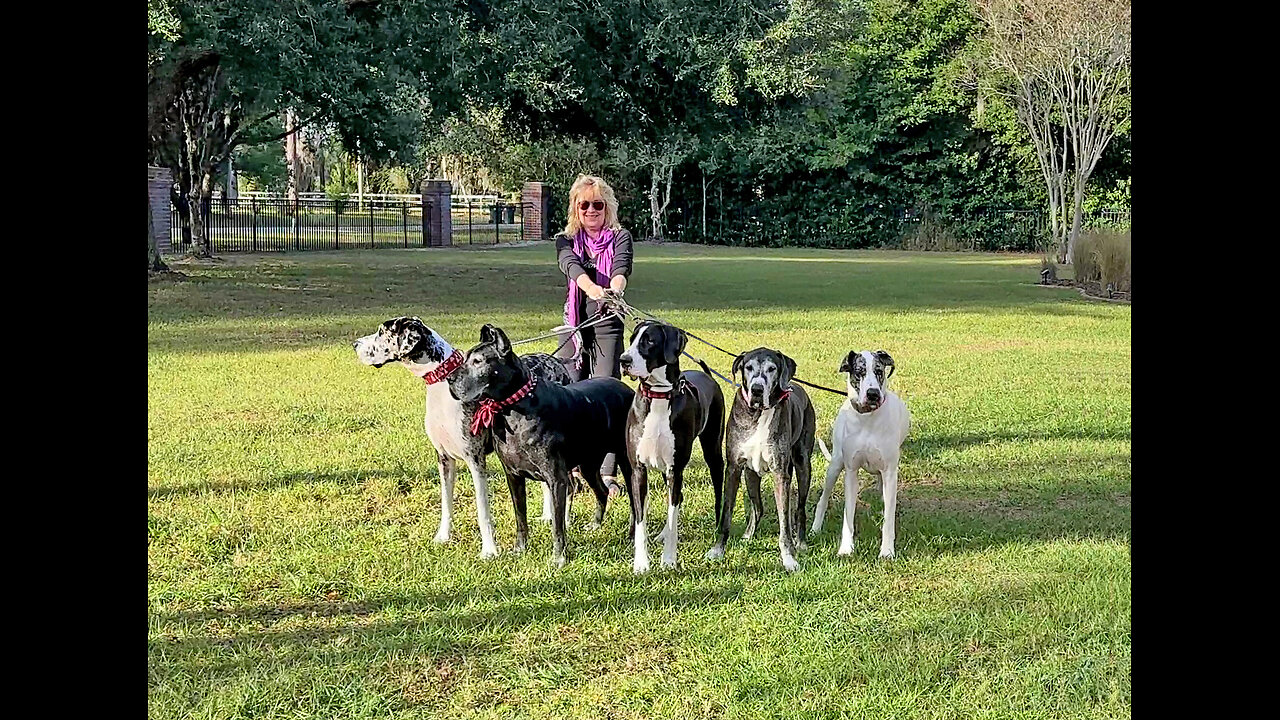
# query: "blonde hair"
{"points": [[581, 187]]}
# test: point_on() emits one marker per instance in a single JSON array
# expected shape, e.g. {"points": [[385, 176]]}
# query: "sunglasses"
{"points": [[597, 204]]}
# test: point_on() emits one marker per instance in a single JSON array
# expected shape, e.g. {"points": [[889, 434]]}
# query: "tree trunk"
{"points": [[291, 159], [654, 214], [704, 205], [360, 183], [197, 210]]}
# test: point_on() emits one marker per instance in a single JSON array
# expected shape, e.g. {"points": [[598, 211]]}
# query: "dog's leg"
{"points": [[488, 546], [849, 530], [756, 508], [675, 498], [559, 515], [639, 509], [804, 472], [546, 503], [888, 529], [448, 473], [596, 483], [516, 484], [820, 512], [727, 501], [781, 498]]}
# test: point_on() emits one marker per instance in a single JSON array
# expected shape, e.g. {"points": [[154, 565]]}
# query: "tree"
{"points": [[1064, 65], [220, 74]]}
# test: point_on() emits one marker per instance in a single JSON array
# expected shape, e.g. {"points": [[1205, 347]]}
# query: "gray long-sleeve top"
{"points": [[573, 266]]}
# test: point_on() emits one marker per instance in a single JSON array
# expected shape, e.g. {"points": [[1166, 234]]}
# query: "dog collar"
{"points": [[654, 394], [453, 362], [489, 409]]}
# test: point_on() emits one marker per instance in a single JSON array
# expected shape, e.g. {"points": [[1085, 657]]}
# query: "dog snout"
{"points": [[873, 394], [625, 361]]}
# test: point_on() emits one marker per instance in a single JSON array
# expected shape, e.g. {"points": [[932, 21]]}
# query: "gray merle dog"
{"points": [[670, 411], [542, 430], [771, 428], [427, 355]]}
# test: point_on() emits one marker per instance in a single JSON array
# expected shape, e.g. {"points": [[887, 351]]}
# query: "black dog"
{"points": [[771, 428], [541, 430], [671, 409]]}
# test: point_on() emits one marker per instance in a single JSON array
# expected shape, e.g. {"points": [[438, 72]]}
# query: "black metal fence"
{"points": [[257, 224]]}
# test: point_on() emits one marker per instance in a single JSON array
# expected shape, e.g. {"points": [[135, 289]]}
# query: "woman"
{"points": [[594, 253]]}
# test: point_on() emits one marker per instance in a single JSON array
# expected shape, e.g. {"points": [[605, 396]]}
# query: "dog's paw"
{"points": [[488, 553], [802, 545], [519, 547], [441, 537], [886, 554], [715, 553], [790, 564], [668, 561], [640, 566], [817, 526], [562, 561], [845, 549]]}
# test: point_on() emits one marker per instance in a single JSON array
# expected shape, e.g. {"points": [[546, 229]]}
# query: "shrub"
{"points": [[1103, 256]]}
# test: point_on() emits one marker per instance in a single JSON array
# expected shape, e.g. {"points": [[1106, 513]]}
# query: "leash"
{"points": [[628, 309], [596, 319]]}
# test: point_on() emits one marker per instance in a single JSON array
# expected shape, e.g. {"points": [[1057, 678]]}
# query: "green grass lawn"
{"points": [[293, 496]]}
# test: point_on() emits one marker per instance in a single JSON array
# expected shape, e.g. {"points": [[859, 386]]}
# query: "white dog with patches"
{"points": [[868, 434]]}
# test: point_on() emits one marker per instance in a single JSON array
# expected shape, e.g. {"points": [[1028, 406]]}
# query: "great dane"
{"points": [[868, 433], [542, 430], [424, 353], [770, 429], [669, 412]]}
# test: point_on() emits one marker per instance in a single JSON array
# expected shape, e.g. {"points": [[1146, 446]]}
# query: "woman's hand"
{"points": [[594, 291]]}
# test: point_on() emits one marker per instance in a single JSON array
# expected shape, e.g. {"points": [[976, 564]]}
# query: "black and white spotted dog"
{"points": [[427, 355], [542, 430], [669, 412], [771, 428], [868, 433]]}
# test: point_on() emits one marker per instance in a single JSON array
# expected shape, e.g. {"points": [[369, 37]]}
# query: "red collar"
{"points": [[451, 363], [654, 394], [489, 409]]}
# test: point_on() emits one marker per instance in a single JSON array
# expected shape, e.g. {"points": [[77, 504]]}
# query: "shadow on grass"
{"points": [[282, 480]]}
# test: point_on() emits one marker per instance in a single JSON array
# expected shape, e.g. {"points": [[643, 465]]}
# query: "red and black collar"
{"points": [[489, 409], [451, 363], [667, 394]]}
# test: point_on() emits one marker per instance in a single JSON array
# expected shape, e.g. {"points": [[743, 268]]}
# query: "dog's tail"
{"points": [[825, 452], [705, 368]]}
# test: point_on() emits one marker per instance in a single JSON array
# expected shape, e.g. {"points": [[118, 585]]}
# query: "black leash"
{"points": [[628, 309]]}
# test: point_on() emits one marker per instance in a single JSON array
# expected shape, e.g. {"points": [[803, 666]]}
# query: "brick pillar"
{"points": [[159, 187], [536, 198], [437, 222]]}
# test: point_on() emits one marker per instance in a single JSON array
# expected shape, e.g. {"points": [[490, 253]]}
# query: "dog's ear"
{"points": [[786, 372], [501, 342], [885, 360], [673, 343], [486, 333], [846, 365], [409, 333], [737, 366]]}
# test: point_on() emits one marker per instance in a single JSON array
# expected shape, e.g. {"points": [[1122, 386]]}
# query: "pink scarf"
{"points": [[602, 249]]}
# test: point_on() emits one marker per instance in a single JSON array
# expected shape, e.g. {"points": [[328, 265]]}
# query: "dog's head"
{"points": [[654, 351], [766, 374], [869, 373], [489, 370], [402, 338]]}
